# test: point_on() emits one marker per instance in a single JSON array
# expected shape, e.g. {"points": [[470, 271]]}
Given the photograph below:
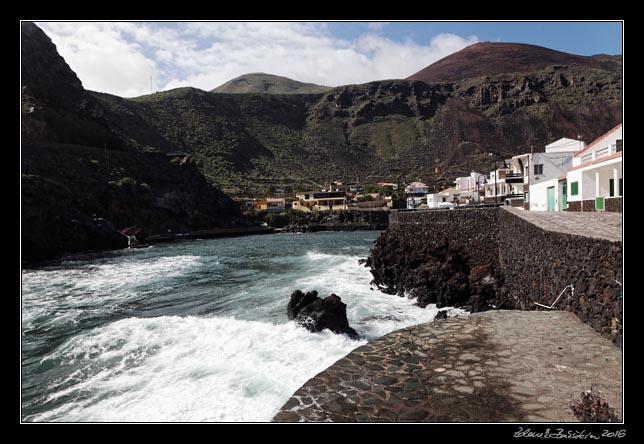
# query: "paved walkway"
{"points": [[598, 225], [497, 366]]}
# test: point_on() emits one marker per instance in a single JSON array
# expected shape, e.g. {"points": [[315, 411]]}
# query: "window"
{"points": [[526, 197], [574, 189], [618, 146], [538, 168]]}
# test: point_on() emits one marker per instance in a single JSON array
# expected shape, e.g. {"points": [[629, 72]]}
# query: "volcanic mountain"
{"points": [[491, 59], [259, 82], [85, 152]]}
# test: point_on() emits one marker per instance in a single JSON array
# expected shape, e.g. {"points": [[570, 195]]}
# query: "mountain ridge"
{"points": [[87, 144], [494, 58], [259, 82]]}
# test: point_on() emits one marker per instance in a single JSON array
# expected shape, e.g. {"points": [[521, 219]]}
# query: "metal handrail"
{"points": [[572, 289]]}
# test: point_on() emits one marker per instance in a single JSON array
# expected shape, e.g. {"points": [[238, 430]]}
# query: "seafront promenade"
{"points": [[497, 366]]}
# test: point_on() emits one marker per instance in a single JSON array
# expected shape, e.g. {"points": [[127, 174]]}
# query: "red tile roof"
{"points": [[579, 153]]}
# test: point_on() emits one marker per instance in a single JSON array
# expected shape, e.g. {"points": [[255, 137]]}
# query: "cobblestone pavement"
{"points": [[497, 366], [596, 224]]}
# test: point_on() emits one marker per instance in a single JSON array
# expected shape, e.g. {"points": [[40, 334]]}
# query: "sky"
{"points": [[130, 59]]}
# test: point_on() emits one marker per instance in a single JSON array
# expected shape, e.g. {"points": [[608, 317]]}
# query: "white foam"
{"points": [[371, 312], [189, 369], [98, 285]]}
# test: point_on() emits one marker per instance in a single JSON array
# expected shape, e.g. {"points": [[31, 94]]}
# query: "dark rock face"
{"points": [[429, 255], [486, 285], [316, 314], [81, 159]]}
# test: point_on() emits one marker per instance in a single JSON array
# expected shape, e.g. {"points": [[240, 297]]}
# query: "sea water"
{"points": [[192, 331]]}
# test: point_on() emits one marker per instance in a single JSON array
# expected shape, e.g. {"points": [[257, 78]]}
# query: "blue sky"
{"points": [[583, 38], [135, 58]]}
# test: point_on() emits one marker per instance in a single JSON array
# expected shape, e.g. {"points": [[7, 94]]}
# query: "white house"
{"points": [[594, 183], [447, 195], [496, 188], [468, 187], [535, 176]]}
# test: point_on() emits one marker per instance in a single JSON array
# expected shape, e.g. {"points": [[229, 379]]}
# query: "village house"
{"points": [[531, 180], [594, 183], [468, 188], [320, 201], [416, 194], [447, 195], [275, 205], [497, 189]]}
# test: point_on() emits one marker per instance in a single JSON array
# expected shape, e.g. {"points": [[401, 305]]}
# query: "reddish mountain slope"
{"points": [[484, 59]]}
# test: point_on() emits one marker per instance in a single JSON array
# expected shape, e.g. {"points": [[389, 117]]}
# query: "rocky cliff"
{"points": [[78, 164]]}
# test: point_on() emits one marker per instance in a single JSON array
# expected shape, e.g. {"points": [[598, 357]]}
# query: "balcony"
{"points": [[514, 196], [514, 177]]}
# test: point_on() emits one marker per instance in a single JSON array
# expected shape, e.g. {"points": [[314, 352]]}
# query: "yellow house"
{"points": [[320, 201]]}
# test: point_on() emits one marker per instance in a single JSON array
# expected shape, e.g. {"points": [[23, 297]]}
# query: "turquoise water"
{"points": [[192, 331]]}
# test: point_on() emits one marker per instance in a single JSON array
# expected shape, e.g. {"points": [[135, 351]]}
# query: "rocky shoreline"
{"points": [[440, 274]]}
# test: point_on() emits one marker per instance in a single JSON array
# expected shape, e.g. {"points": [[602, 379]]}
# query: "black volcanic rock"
{"points": [[431, 274], [316, 314]]}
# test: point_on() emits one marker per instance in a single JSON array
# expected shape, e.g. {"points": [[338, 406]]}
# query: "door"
{"points": [[551, 198], [564, 197]]}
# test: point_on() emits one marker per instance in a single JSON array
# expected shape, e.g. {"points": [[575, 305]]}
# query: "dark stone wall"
{"points": [[531, 264], [612, 204], [475, 230], [538, 264]]}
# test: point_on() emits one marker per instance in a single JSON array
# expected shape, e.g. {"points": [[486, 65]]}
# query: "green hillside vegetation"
{"points": [[259, 82], [245, 143]]}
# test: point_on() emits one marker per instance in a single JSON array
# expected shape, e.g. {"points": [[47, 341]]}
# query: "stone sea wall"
{"points": [[476, 230], [529, 264], [537, 264]]}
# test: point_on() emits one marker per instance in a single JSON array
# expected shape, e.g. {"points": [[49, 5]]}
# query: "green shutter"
{"points": [[611, 187], [574, 188]]}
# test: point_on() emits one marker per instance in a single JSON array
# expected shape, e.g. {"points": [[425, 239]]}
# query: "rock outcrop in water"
{"points": [[316, 314]]}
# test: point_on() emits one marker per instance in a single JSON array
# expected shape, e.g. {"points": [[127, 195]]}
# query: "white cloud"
{"points": [[119, 57], [102, 57]]}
